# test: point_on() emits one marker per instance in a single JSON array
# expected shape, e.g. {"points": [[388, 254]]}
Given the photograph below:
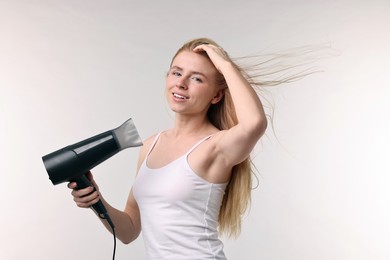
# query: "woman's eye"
{"points": [[197, 79], [175, 73]]}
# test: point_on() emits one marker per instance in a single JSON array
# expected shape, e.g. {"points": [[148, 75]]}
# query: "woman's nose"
{"points": [[181, 83]]}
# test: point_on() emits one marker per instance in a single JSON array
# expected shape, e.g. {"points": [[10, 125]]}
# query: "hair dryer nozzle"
{"points": [[126, 135]]}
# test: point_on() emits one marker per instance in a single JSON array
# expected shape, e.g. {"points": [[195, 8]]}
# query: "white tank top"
{"points": [[179, 211]]}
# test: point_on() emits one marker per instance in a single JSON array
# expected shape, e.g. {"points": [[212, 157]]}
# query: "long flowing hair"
{"points": [[268, 70]]}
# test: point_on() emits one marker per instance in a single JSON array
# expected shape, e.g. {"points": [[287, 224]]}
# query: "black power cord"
{"points": [[113, 253], [107, 217]]}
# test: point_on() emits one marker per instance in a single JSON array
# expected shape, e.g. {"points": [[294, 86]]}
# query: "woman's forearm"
{"points": [[126, 230], [248, 107]]}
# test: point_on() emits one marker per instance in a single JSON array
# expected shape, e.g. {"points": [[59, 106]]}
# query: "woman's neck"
{"points": [[190, 125]]}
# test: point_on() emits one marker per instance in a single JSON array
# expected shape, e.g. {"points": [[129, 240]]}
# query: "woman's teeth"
{"points": [[179, 96]]}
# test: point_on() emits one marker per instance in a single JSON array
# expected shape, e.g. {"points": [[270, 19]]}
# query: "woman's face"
{"points": [[191, 84]]}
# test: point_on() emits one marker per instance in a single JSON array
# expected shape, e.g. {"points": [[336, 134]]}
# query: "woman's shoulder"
{"points": [[148, 142], [151, 138]]}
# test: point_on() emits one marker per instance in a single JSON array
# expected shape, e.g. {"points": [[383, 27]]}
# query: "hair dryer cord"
{"points": [[107, 217]]}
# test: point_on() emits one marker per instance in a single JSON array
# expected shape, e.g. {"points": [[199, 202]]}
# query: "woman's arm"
{"points": [[236, 143], [127, 222]]}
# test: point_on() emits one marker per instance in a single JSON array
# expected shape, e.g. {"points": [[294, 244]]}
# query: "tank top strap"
{"points": [[154, 143], [197, 144]]}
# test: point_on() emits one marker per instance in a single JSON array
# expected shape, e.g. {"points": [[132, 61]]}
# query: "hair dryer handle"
{"points": [[83, 182]]}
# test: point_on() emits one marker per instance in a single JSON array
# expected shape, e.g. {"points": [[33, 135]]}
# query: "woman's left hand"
{"points": [[216, 54]]}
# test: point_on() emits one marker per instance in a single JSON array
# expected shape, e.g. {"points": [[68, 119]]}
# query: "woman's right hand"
{"points": [[86, 197]]}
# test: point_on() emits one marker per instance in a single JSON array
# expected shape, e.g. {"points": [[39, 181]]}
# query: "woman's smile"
{"points": [[179, 96]]}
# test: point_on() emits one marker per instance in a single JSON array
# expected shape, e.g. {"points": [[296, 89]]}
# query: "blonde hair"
{"points": [[222, 115]]}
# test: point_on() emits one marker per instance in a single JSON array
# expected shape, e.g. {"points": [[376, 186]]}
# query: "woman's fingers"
{"points": [[87, 203], [82, 192], [209, 47], [216, 54], [85, 197], [72, 185]]}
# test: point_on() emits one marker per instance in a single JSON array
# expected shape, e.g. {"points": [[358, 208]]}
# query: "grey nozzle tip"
{"points": [[127, 135]]}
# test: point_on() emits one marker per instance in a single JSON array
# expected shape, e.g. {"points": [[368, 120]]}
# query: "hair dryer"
{"points": [[71, 163]]}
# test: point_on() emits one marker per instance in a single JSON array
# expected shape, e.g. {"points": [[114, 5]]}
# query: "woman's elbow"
{"points": [[263, 126], [128, 239], [259, 127]]}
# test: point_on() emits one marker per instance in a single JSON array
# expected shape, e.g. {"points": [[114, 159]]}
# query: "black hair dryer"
{"points": [[72, 162]]}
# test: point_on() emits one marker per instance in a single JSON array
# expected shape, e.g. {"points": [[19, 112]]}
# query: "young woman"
{"points": [[193, 180]]}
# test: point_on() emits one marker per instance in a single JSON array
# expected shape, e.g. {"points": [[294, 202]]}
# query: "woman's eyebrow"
{"points": [[176, 67]]}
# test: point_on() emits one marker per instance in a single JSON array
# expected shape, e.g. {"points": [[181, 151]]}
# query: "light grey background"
{"points": [[72, 69]]}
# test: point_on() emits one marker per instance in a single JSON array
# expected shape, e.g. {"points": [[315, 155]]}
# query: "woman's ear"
{"points": [[218, 96]]}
